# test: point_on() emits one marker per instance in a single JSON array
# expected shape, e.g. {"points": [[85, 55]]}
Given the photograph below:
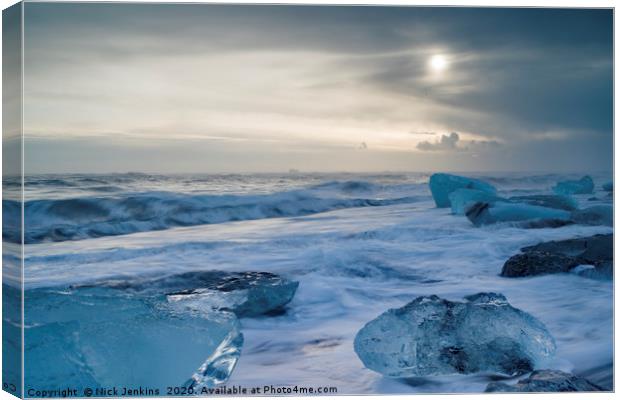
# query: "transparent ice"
{"points": [[247, 294], [150, 331], [433, 336], [100, 337]]}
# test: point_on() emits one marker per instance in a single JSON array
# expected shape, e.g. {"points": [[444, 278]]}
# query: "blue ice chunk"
{"points": [[434, 336], [548, 200], [485, 213], [608, 186], [247, 294], [217, 368], [101, 337], [602, 214], [584, 185], [442, 185], [461, 199]]}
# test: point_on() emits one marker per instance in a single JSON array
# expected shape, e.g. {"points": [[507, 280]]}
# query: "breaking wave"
{"points": [[90, 217]]}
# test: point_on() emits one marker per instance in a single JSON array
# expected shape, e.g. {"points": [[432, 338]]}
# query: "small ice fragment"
{"points": [[219, 366]]}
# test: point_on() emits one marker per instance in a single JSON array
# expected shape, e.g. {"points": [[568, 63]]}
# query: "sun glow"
{"points": [[438, 63]]}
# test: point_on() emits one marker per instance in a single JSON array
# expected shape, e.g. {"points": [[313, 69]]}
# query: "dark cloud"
{"points": [[453, 142], [445, 143]]}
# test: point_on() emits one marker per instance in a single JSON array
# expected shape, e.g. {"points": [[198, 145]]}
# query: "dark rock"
{"points": [[537, 263], [547, 380], [564, 255], [544, 223], [588, 250], [478, 213]]}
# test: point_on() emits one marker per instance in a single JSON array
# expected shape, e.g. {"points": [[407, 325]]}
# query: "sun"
{"points": [[438, 62]]}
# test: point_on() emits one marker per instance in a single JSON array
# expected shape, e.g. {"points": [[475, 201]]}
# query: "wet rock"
{"points": [[537, 263], [588, 249], [564, 256]]}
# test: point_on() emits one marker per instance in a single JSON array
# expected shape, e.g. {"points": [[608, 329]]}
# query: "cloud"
{"points": [[446, 143], [518, 78], [453, 142], [425, 133]]}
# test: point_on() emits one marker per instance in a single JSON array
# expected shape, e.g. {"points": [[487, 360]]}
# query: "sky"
{"points": [[230, 88]]}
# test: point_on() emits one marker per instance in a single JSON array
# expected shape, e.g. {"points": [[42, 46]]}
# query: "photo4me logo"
{"points": [[268, 390]]}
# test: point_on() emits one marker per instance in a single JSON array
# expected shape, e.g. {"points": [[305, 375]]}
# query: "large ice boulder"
{"points": [[547, 380], [571, 255], [434, 336], [608, 186], [483, 213], [461, 199], [97, 337], [442, 185], [560, 202], [153, 332], [584, 185]]}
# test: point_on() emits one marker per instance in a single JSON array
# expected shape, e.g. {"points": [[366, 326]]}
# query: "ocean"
{"points": [[358, 244]]}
